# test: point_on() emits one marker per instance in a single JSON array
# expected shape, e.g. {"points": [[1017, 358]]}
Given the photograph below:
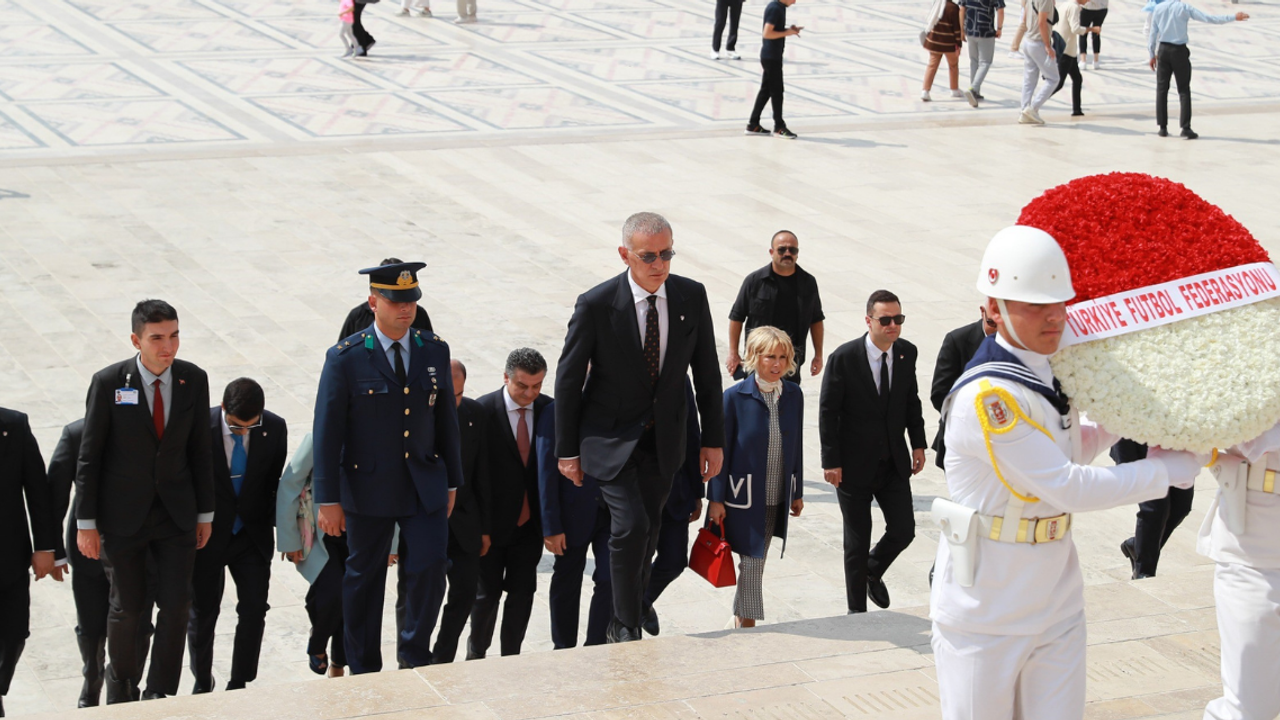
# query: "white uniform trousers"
{"points": [[1248, 602], [1012, 677], [1037, 66]]}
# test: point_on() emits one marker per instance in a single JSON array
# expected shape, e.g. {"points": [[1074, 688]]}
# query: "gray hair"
{"points": [[526, 359], [648, 223]]}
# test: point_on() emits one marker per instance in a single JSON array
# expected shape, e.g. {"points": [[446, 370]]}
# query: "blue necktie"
{"points": [[239, 461]]}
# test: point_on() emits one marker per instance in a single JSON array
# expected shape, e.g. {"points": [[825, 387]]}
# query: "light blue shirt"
{"points": [[1169, 23], [391, 354]]}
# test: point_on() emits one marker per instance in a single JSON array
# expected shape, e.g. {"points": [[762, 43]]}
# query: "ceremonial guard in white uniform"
{"points": [[1008, 601], [1241, 533]]}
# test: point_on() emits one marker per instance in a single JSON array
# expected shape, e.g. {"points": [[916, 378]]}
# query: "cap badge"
{"points": [[993, 275], [405, 279]]}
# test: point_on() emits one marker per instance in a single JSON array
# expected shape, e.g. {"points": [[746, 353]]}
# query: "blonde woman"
{"points": [[760, 480]]}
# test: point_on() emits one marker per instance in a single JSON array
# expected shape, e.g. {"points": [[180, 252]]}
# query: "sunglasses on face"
{"points": [[888, 320], [246, 428], [650, 258], [787, 250]]}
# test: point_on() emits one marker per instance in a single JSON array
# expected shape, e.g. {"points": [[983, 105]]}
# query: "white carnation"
{"points": [[1198, 384]]}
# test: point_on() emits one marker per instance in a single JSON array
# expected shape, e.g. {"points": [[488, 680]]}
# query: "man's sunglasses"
{"points": [[254, 426], [650, 258], [787, 250], [888, 320]]}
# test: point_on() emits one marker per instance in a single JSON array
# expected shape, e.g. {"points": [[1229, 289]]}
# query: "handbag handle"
{"points": [[719, 524]]}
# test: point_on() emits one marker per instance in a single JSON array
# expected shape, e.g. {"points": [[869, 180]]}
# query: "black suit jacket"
{"points": [[22, 472], [509, 479], [62, 477], [854, 427], [958, 348], [256, 505], [600, 418], [470, 518], [123, 465]]}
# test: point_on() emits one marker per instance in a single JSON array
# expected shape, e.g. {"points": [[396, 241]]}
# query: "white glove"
{"points": [[1181, 466]]}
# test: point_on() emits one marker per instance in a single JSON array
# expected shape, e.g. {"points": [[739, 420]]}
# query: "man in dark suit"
{"points": [[144, 486], [250, 444], [639, 333], [469, 525], [361, 316], [21, 476], [1157, 519], [958, 348], [683, 508], [574, 520], [386, 454], [511, 417], [89, 585], [869, 400]]}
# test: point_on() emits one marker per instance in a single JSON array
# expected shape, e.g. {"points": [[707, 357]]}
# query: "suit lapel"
{"points": [[258, 452], [417, 356], [378, 358], [676, 333], [627, 327], [504, 423], [142, 410], [221, 469], [863, 364]]}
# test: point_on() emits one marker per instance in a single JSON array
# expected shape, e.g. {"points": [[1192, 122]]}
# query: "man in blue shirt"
{"points": [[771, 50], [1167, 45]]}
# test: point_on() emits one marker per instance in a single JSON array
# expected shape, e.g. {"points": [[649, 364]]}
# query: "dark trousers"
{"points": [[730, 10], [251, 573], [364, 586], [893, 493], [511, 568], [125, 558], [672, 557], [566, 589], [92, 594], [464, 580], [1157, 519], [324, 604], [770, 91], [15, 623], [1173, 61], [357, 27], [1068, 65], [1091, 18], [635, 498]]}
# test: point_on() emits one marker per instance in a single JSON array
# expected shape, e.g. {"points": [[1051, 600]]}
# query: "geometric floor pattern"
{"points": [[95, 77]]}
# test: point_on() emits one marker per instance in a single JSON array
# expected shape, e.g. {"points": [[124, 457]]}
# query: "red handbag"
{"points": [[712, 558]]}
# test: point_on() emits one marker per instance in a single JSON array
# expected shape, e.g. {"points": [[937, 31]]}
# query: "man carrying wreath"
{"points": [[1008, 601]]}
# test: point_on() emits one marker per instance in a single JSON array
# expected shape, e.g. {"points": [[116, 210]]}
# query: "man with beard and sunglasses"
{"points": [[782, 295], [869, 401]]}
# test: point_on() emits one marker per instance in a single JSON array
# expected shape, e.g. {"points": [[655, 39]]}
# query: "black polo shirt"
{"points": [[790, 304]]}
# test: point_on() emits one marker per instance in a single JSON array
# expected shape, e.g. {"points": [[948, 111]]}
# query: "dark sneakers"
{"points": [[756, 130], [784, 133]]}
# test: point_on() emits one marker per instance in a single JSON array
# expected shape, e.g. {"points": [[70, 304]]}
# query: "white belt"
{"points": [[1030, 530], [1262, 480]]}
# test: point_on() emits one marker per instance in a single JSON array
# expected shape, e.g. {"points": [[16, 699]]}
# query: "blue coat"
{"points": [[566, 508], [383, 448], [687, 486], [740, 484]]}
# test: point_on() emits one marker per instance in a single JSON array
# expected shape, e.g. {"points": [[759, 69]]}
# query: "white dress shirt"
{"points": [[513, 416], [391, 354], [873, 357], [642, 310], [166, 387]]}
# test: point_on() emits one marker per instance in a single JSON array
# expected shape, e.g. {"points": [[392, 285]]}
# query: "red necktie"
{"points": [[157, 410], [522, 443]]}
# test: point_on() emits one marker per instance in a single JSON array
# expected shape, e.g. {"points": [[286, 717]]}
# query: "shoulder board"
{"points": [[997, 409]]}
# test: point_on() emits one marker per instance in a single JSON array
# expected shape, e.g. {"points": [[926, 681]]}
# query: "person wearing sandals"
{"points": [[942, 36], [321, 559], [761, 479]]}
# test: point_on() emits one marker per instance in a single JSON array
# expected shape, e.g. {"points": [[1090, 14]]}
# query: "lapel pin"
{"points": [[6, 433], [264, 433], [182, 382], [681, 318]]}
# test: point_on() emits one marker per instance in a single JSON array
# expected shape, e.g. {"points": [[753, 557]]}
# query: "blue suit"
{"points": [[579, 513], [389, 453], [686, 490], [741, 482]]}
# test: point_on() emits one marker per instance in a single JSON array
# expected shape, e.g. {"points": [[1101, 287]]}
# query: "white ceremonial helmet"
{"points": [[1024, 264]]}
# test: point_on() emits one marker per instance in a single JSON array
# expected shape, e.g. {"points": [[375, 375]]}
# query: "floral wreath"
{"points": [[1172, 336]]}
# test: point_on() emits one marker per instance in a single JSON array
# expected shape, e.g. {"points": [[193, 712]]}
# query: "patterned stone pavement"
{"points": [[94, 77]]}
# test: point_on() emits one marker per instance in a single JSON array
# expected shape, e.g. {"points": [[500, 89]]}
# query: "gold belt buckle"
{"points": [[1269, 482], [1050, 529]]}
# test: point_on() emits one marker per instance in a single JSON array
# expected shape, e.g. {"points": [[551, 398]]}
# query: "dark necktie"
{"points": [[522, 444], [157, 410], [239, 462], [651, 340], [884, 376], [399, 361]]}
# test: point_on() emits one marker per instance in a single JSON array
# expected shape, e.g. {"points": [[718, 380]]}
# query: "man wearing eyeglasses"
{"points": [[249, 448], [869, 400], [624, 424], [783, 295]]}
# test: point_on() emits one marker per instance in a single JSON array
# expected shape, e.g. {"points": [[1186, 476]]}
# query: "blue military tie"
{"points": [[239, 461]]}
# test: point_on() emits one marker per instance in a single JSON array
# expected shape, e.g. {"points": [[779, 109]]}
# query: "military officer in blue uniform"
{"points": [[387, 452]]}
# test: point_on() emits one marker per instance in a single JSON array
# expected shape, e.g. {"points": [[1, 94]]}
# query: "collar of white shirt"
{"points": [[149, 378], [511, 404], [1039, 364], [874, 353], [227, 441], [642, 295]]}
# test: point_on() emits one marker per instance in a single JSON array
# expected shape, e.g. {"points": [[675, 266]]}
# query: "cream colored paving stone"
{"points": [[792, 702], [1121, 670], [905, 695]]}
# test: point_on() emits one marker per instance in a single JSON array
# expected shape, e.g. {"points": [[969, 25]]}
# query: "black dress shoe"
{"points": [[650, 623], [619, 633], [1077, 113], [877, 591], [235, 685], [203, 687], [153, 695], [1163, 131], [1190, 134], [1141, 576], [931, 569]]}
